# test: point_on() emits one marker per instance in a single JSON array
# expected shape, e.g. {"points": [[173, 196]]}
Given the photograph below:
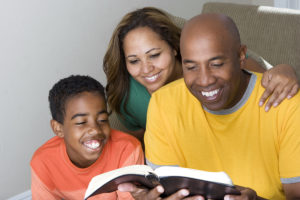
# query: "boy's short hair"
{"points": [[70, 87]]}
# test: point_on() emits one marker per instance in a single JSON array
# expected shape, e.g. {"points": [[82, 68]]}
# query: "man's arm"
{"points": [[292, 191]]}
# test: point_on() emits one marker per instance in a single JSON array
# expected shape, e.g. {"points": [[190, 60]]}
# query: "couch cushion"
{"points": [[273, 33]]}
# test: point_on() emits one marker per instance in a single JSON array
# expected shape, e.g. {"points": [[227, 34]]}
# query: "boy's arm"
{"points": [[39, 190]]}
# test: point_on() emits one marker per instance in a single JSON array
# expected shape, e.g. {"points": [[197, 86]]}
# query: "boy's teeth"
{"points": [[93, 144], [210, 93]]}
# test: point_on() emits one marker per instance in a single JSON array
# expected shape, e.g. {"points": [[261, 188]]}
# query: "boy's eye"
{"points": [[80, 123], [103, 120]]}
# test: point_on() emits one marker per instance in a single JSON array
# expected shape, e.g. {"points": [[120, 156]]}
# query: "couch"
{"points": [[271, 34]]}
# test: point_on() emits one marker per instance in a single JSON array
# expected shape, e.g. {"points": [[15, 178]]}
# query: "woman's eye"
{"points": [[155, 55], [133, 61]]}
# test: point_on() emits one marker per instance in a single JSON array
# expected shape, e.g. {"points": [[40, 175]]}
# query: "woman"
{"points": [[143, 55]]}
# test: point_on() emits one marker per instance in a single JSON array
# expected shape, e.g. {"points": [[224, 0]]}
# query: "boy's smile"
{"points": [[85, 128]]}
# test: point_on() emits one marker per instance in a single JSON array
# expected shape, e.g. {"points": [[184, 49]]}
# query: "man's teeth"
{"points": [[93, 144], [210, 93], [152, 78]]}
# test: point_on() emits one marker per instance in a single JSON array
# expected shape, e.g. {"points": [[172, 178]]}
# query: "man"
{"points": [[210, 119]]}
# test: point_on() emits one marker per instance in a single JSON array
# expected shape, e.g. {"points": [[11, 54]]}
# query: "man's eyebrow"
{"points": [[187, 61], [216, 58]]}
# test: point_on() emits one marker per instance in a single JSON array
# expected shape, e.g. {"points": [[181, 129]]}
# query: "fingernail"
{"points": [[160, 189], [275, 104], [289, 96], [267, 108], [261, 103], [227, 197], [184, 192]]}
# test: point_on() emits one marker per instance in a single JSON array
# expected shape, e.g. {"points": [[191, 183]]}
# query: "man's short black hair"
{"points": [[70, 87]]}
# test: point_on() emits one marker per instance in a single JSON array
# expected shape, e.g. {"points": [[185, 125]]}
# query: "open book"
{"points": [[213, 185]]}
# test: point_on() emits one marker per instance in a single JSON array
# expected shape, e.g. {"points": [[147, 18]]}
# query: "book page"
{"points": [[218, 177], [101, 179]]}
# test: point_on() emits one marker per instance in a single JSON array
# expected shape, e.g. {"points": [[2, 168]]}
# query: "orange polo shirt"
{"points": [[54, 176]]}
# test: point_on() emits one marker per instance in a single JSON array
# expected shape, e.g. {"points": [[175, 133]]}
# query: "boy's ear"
{"points": [[243, 57], [57, 128]]}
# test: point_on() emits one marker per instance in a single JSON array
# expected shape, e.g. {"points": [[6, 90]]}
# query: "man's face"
{"points": [[211, 69]]}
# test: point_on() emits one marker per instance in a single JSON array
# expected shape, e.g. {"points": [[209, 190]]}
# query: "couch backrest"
{"points": [[273, 33]]}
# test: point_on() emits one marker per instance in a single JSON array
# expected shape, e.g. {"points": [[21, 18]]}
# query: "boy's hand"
{"points": [[154, 194]]}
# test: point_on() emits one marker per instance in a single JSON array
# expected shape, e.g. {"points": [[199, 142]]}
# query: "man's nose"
{"points": [[205, 78]]}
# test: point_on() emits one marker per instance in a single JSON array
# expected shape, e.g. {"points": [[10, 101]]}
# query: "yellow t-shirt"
{"points": [[258, 149]]}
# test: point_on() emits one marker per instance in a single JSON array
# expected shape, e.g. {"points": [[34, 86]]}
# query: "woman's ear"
{"points": [[242, 55], [57, 128], [175, 52]]}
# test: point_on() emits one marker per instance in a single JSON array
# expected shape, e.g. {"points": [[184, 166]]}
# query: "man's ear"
{"points": [[242, 55], [57, 128]]}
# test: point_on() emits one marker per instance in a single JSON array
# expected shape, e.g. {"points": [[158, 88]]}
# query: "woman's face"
{"points": [[149, 59]]}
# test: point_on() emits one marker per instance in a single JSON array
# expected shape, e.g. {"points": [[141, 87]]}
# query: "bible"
{"points": [[212, 185]]}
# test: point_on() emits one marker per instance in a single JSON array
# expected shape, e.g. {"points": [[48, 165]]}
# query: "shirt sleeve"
{"points": [[289, 142], [39, 190]]}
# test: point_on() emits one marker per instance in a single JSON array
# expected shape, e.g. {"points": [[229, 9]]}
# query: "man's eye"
{"points": [[80, 123], [217, 64], [189, 68], [155, 55]]}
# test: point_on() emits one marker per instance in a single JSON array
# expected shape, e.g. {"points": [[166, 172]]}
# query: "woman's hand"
{"points": [[154, 194], [280, 82]]}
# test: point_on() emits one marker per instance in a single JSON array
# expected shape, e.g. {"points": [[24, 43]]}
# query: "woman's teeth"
{"points": [[152, 78]]}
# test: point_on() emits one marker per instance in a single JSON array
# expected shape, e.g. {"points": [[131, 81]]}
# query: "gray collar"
{"points": [[243, 100]]}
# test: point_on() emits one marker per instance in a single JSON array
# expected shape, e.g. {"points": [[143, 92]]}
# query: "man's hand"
{"points": [[246, 194], [154, 194]]}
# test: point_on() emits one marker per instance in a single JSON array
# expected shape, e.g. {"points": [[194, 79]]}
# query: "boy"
{"points": [[84, 145]]}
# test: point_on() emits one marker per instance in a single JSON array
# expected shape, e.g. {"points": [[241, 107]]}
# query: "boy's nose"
{"points": [[95, 129]]}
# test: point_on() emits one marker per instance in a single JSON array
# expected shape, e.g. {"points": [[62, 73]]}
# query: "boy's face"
{"points": [[85, 129]]}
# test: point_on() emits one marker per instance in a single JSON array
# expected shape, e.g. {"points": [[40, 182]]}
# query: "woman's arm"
{"points": [[280, 82]]}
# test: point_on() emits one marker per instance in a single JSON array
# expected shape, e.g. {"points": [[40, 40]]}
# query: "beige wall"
{"points": [[263, 2]]}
